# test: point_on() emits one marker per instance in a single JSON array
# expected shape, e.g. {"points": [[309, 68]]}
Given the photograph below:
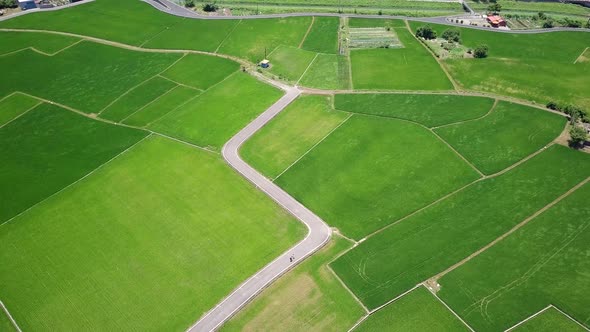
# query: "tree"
{"points": [[481, 51], [426, 32], [8, 4], [210, 7], [542, 15], [495, 8], [189, 3], [578, 136], [548, 24], [452, 35]]}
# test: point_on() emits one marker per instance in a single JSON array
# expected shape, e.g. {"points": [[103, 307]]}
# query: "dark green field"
{"points": [[429, 110], [396, 259], [505, 136], [47, 149], [548, 321], [542, 263], [353, 177], [323, 36]]}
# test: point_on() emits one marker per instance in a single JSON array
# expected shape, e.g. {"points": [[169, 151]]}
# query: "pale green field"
{"points": [[293, 132], [212, 118], [15, 105], [416, 311], [548, 321], [309, 298], [162, 106], [150, 241], [201, 71], [328, 71], [289, 62]]}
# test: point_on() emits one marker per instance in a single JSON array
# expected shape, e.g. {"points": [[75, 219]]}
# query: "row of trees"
{"points": [[8, 4], [578, 134]]}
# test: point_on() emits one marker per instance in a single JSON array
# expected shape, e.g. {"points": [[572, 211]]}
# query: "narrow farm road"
{"points": [[318, 232]]}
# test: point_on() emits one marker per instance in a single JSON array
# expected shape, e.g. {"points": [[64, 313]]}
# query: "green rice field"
{"points": [[105, 253], [166, 103], [352, 177], [200, 71], [308, 120], [396, 259], [428, 110], [47, 149], [508, 134], [47, 43], [323, 36], [418, 310], [14, 105], [328, 71], [541, 263], [549, 320], [290, 63], [218, 113], [407, 68]]}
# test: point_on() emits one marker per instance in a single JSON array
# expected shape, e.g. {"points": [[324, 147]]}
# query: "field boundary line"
{"points": [[570, 317], [79, 180], [513, 229], [458, 154], [14, 52], [490, 111], [306, 69], [10, 317], [520, 162], [199, 95], [181, 141], [581, 54], [181, 84], [313, 147], [307, 32], [58, 51], [23, 113], [174, 109], [367, 311], [159, 33], [450, 309], [358, 322], [456, 85], [148, 104], [227, 37], [528, 318], [8, 96]]}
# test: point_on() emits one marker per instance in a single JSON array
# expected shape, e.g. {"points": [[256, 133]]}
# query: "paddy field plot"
{"points": [[191, 34], [164, 104], [137, 98], [379, 37], [129, 22], [14, 105], [537, 67], [323, 36], [418, 310], [544, 262], [251, 38], [309, 298], [150, 241], [218, 113], [47, 149], [87, 76], [356, 22], [291, 134], [508, 134], [407, 68], [290, 62], [5, 323], [396, 259], [44, 42], [201, 71], [429, 110], [328, 71], [549, 320], [372, 171]]}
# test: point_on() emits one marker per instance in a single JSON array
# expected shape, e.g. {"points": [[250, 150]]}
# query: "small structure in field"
{"points": [[265, 63], [27, 4], [496, 21]]}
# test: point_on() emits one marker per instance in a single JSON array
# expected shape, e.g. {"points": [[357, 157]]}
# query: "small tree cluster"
{"points": [[576, 113], [189, 3], [426, 32], [210, 7], [8, 4], [578, 135], [495, 8], [481, 51], [452, 35], [570, 23]]}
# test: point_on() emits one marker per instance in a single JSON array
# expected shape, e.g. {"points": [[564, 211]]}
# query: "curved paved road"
{"points": [[318, 235]]}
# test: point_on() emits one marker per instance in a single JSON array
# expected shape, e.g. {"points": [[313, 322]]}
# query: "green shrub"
{"points": [[578, 136], [426, 32], [452, 35], [481, 51], [210, 7]]}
